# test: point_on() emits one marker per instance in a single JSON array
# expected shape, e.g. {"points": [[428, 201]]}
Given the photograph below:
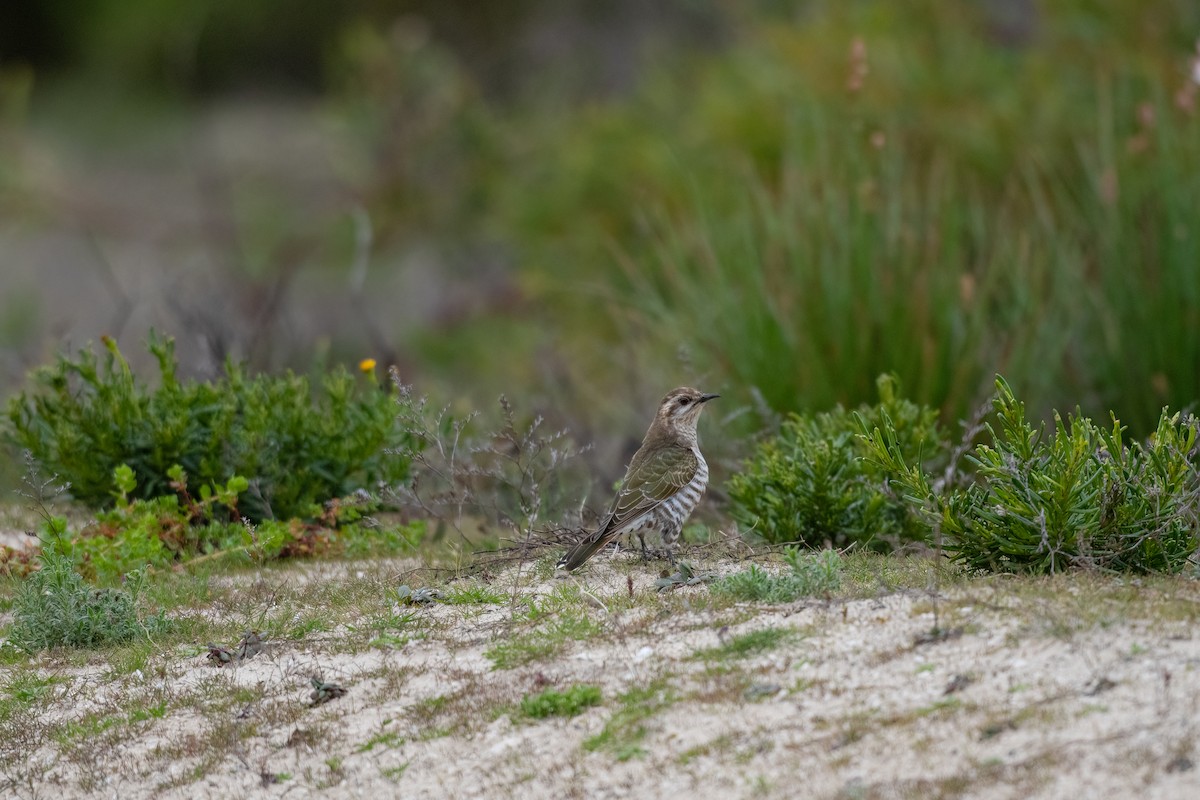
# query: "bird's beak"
{"points": [[704, 398]]}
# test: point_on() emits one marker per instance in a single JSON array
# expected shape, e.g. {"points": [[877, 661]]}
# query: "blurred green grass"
{"points": [[871, 192], [836, 191]]}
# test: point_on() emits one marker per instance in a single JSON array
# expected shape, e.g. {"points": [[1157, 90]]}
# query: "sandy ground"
{"points": [[1080, 687]]}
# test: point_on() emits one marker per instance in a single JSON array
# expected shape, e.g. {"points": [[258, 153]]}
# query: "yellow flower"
{"points": [[367, 365]]}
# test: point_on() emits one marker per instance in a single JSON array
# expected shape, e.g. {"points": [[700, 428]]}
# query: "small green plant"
{"points": [[55, 607], [161, 530], [176, 528], [129, 539], [811, 484], [212, 496], [1078, 495], [86, 418], [565, 627], [394, 773], [746, 645], [383, 739], [473, 595], [819, 573], [553, 703], [625, 730], [811, 574], [23, 689]]}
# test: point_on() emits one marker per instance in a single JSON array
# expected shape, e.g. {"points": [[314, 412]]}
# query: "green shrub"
{"points": [[812, 574], [553, 703], [176, 528], [296, 448], [55, 607], [129, 539], [811, 484], [1078, 495], [159, 531]]}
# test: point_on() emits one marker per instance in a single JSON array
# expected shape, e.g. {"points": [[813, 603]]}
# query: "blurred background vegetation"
{"points": [[584, 204]]}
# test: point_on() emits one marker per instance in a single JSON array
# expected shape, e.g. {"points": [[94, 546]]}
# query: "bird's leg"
{"points": [[642, 538]]}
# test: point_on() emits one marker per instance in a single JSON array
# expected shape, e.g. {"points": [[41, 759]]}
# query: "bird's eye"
{"points": [[683, 401]]}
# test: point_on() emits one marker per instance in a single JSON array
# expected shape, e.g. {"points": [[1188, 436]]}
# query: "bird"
{"points": [[663, 483]]}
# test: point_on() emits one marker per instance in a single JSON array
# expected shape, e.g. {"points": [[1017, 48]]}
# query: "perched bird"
{"points": [[662, 484]]}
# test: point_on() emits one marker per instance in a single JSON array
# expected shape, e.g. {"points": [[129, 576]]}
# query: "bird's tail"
{"points": [[585, 549]]}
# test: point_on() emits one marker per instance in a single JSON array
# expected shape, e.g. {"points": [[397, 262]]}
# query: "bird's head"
{"points": [[680, 410]]}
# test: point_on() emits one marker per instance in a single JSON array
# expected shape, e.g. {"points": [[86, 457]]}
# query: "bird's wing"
{"points": [[650, 480]]}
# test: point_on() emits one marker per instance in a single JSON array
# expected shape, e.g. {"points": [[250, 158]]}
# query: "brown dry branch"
{"points": [[513, 485]]}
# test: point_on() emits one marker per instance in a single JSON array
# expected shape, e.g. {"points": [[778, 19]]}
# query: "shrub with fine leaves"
{"points": [[1076, 495], [55, 607], [811, 484]]}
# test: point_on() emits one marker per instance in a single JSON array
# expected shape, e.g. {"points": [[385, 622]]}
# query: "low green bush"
{"points": [[177, 528], [1078, 495], [55, 607], [159, 531], [296, 448], [811, 484]]}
